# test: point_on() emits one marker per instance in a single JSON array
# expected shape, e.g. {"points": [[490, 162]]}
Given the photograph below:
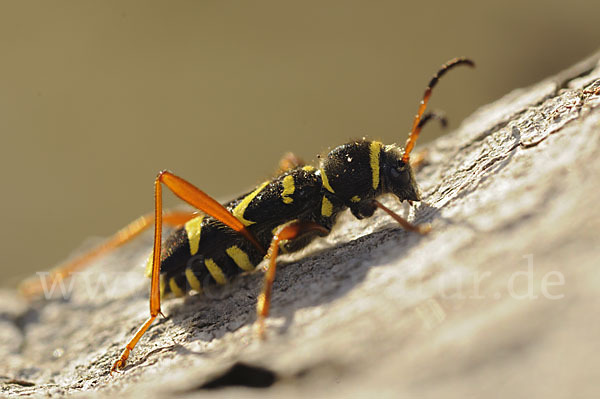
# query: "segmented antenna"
{"points": [[433, 115], [416, 127]]}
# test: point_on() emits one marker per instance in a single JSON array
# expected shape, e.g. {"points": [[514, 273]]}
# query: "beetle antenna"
{"points": [[440, 116], [416, 127]]}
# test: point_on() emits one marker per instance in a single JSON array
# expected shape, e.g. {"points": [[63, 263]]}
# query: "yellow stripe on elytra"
{"points": [[288, 189], [239, 210], [375, 150], [175, 289], [326, 207], [308, 168], [240, 258], [215, 271], [193, 280], [161, 286], [193, 228], [325, 181], [148, 270]]}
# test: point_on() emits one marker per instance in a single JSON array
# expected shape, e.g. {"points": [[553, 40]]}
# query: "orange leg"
{"points": [[290, 161], [32, 287], [288, 231], [421, 228], [198, 199]]}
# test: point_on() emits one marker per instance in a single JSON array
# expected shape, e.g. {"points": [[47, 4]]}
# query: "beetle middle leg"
{"points": [[288, 231], [290, 161]]}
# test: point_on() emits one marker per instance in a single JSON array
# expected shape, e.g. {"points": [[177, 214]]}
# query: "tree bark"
{"points": [[502, 297]]}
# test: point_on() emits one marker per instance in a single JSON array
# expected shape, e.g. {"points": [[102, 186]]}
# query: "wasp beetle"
{"points": [[284, 213]]}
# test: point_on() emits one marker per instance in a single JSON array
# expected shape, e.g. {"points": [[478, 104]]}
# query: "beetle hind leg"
{"points": [[34, 287], [201, 201]]}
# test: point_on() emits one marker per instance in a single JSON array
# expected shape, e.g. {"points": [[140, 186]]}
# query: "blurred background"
{"points": [[97, 97]]}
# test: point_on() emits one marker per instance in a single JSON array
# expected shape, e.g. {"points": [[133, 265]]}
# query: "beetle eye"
{"points": [[395, 173], [401, 165]]}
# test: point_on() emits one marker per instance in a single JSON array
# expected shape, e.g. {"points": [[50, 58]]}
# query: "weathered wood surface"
{"points": [[503, 297]]}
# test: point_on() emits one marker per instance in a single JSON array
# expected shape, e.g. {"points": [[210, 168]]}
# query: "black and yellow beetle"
{"points": [[284, 213]]}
